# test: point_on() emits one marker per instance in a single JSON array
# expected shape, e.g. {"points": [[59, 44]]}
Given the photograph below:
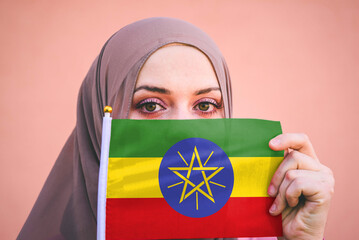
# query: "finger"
{"points": [[294, 191], [286, 152], [294, 160], [296, 141], [280, 202], [315, 187], [312, 186]]}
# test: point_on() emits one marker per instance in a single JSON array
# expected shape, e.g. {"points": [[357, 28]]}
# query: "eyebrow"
{"points": [[153, 89], [207, 90], [166, 91]]}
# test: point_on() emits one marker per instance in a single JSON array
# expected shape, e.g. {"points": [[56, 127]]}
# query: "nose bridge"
{"points": [[182, 111]]}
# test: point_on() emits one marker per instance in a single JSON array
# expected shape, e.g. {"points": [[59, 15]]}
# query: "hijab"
{"points": [[67, 205]]}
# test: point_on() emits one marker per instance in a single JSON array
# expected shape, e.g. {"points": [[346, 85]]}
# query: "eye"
{"points": [[150, 105], [207, 106], [204, 106]]}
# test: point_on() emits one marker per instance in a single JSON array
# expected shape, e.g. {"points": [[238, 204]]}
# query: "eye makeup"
{"points": [[150, 106], [206, 107]]}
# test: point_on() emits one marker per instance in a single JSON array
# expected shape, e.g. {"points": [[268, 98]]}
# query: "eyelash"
{"points": [[212, 102], [141, 106], [156, 101]]}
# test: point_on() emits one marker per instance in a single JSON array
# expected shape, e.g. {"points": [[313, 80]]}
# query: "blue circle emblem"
{"points": [[196, 177]]}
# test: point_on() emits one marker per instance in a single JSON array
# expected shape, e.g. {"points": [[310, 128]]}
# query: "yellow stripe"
{"points": [[138, 177]]}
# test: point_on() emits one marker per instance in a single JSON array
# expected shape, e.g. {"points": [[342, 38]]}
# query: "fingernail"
{"points": [[275, 141], [271, 190], [273, 208]]}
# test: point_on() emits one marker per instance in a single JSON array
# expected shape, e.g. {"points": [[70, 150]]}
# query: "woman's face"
{"points": [[177, 82]]}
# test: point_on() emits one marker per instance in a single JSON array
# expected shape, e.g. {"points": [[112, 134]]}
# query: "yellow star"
{"points": [[189, 169]]}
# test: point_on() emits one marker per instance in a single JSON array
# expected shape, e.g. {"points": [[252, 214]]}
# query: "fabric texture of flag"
{"points": [[191, 179]]}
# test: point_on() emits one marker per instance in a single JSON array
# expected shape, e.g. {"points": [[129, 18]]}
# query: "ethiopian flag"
{"points": [[203, 178]]}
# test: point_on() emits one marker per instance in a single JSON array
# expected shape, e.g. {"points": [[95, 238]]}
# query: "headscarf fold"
{"points": [[67, 205]]}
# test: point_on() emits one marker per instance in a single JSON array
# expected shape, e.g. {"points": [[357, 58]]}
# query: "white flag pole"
{"points": [[102, 178]]}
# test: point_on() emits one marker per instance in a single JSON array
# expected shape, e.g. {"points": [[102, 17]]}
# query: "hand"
{"points": [[303, 188]]}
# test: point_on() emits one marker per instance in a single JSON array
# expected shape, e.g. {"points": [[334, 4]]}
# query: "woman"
{"points": [[180, 74]]}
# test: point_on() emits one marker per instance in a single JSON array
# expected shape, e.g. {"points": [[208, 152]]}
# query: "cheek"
{"points": [[176, 115], [133, 115], [220, 113]]}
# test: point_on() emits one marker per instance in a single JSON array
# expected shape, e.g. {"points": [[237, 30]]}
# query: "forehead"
{"points": [[178, 65]]}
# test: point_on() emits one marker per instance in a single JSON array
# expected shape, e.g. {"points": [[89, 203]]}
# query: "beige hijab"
{"points": [[66, 206]]}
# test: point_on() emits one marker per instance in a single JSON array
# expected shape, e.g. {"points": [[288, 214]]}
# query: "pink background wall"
{"points": [[293, 61]]}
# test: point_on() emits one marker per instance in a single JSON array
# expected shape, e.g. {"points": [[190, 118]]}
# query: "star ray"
{"points": [[208, 159], [217, 184], [175, 184], [182, 158], [203, 172]]}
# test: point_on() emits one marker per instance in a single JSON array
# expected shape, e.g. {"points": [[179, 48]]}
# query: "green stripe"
{"points": [[152, 138]]}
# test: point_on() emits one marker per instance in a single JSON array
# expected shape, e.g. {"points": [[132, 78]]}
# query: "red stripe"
{"points": [[153, 218]]}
